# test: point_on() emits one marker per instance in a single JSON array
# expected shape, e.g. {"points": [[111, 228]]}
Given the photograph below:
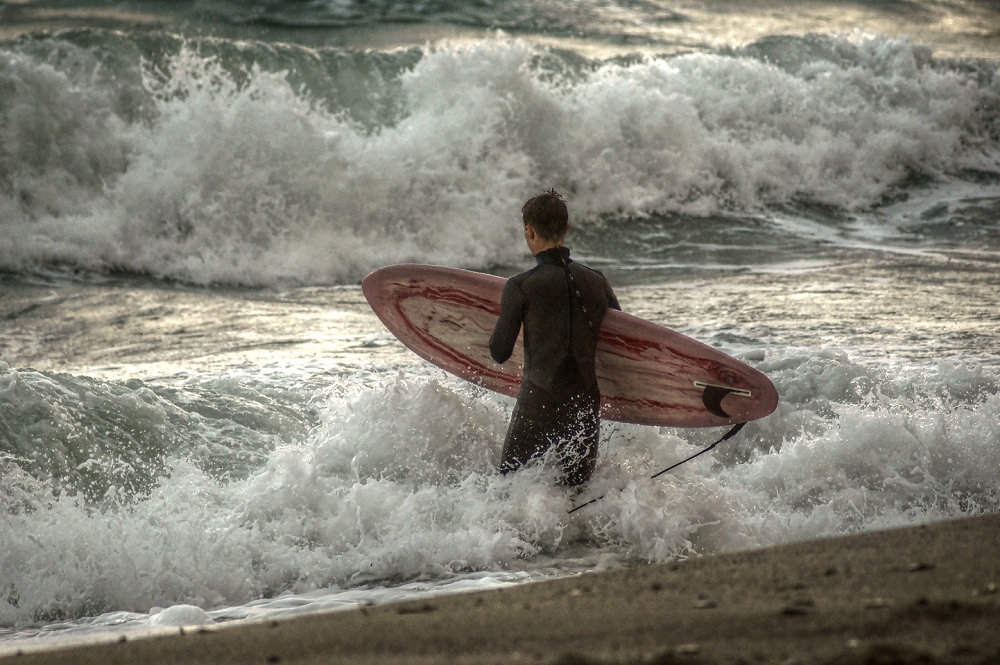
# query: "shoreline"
{"points": [[924, 594]]}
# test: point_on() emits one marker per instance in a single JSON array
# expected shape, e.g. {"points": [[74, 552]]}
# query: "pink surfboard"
{"points": [[647, 374]]}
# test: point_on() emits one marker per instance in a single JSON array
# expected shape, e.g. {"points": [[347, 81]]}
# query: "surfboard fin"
{"points": [[712, 396]]}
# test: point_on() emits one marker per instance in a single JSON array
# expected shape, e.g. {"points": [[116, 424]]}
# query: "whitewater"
{"points": [[261, 164], [202, 421]]}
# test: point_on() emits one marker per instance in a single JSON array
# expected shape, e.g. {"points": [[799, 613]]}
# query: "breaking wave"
{"points": [[218, 161]]}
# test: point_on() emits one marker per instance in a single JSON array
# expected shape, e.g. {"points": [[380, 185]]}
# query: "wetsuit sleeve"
{"points": [[612, 298], [509, 324]]}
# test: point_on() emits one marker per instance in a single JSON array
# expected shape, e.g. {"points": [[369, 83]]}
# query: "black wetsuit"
{"points": [[559, 404]]}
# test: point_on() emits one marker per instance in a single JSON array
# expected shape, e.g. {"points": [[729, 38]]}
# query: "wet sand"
{"points": [[916, 595]]}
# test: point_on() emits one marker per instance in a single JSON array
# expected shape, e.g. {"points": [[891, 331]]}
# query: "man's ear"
{"points": [[530, 233]]}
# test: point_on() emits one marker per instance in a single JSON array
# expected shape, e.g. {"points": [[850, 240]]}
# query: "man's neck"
{"points": [[548, 246], [556, 255]]}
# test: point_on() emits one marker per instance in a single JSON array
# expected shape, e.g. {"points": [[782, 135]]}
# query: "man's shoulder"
{"points": [[588, 268], [520, 278], [587, 271]]}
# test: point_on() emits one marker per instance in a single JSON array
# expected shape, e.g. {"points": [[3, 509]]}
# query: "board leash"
{"points": [[728, 435]]}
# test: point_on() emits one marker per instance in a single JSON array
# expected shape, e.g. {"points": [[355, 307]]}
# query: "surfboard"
{"points": [[647, 374]]}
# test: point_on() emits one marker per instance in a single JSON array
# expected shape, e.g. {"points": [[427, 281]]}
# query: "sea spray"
{"points": [[233, 163]]}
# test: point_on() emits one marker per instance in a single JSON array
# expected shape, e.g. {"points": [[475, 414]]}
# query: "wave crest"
{"points": [[225, 163]]}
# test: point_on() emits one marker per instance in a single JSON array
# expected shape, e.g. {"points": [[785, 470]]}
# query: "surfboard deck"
{"points": [[647, 374]]}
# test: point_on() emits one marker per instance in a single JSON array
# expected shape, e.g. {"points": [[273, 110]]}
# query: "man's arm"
{"points": [[509, 324]]}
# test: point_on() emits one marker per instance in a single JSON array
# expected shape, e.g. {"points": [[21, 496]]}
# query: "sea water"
{"points": [[201, 420]]}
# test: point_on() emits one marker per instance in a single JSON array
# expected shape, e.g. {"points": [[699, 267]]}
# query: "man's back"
{"points": [[561, 317]]}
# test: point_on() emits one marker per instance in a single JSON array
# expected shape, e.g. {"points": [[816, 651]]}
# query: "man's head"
{"points": [[547, 215]]}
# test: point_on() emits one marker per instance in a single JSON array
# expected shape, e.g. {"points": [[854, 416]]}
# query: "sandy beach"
{"points": [[924, 594]]}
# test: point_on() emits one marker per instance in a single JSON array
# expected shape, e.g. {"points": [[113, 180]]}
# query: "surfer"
{"points": [[561, 304]]}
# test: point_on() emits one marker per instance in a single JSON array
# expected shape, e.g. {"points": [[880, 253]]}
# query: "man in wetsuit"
{"points": [[560, 304]]}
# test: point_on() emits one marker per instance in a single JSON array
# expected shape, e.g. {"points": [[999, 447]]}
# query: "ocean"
{"points": [[201, 420]]}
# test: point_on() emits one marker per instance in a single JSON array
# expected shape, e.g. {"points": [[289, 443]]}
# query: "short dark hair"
{"points": [[547, 214]]}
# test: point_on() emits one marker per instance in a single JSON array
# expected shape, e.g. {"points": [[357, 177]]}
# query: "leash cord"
{"points": [[728, 435]]}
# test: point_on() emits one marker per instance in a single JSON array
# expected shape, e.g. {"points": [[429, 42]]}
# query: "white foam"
{"points": [[398, 483], [255, 184], [179, 615]]}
